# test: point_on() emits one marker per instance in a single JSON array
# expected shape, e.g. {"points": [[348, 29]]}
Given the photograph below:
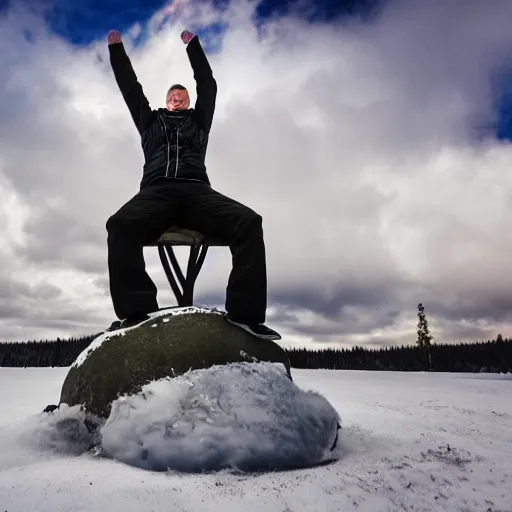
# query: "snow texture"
{"points": [[245, 416], [410, 441]]}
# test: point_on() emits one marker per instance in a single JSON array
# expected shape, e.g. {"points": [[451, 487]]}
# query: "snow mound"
{"points": [[249, 417], [241, 416]]}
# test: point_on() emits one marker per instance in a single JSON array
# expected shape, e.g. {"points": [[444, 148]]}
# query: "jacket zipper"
{"points": [[177, 152], [168, 147]]}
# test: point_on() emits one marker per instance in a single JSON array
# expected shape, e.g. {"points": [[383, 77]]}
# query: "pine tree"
{"points": [[424, 337]]}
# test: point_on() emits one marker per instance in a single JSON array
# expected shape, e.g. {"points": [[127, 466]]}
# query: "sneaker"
{"points": [[259, 330], [114, 326], [127, 322], [134, 320]]}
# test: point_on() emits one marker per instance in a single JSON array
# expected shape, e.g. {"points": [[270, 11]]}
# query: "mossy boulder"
{"points": [[170, 343]]}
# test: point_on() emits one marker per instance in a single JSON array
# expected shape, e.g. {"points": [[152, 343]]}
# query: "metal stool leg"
{"points": [[195, 262], [184, 297], [168, 272]]}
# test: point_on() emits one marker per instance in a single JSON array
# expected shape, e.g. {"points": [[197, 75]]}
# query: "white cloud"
{"points": [[355, 142]]}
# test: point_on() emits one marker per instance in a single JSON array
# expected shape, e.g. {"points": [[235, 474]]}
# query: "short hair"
{"points": [[179, 87]]}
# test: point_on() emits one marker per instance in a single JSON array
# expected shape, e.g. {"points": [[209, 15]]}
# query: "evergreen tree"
{"points": [[424, 337]]}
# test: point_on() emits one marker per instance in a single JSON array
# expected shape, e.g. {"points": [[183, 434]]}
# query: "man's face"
{"points": [[178, 99]]}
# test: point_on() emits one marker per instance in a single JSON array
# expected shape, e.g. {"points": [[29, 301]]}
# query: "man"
{"points": [[175, 189]]}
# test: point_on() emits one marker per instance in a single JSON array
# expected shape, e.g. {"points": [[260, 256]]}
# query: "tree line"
{"points": [[43, 353], [485, 356], [492, 356]]}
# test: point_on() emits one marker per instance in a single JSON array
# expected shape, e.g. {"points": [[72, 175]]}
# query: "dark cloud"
{"points": [[331, 299], [493, 307]]}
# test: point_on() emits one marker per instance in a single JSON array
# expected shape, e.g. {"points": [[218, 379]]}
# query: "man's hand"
{"points": [[186, 36], [114, 37]]}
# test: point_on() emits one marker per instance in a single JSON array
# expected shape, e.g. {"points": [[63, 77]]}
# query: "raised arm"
{"points": [[127, 81], [206, 85]]}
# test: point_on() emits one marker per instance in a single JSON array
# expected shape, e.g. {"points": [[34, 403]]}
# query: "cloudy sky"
{"points": [[372, 139]]}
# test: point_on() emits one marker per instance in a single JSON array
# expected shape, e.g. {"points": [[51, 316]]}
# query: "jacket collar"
{"points": [[175, 113]]}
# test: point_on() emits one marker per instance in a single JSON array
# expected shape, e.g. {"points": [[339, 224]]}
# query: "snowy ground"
{"points": [[415, 442]]}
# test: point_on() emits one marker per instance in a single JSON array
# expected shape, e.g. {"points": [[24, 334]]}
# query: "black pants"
{"points": [[195, 206]]}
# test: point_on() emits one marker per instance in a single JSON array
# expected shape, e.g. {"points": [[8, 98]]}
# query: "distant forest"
{"points": [[493, 356]]}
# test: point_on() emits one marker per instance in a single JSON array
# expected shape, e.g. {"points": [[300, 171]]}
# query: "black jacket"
{"points": [[174, 143]]}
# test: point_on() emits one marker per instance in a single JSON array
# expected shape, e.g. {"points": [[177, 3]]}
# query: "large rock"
{"points": [[170, 343]]}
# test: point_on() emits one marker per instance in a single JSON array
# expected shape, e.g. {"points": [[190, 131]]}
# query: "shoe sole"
{"points": [[270, 337]]}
